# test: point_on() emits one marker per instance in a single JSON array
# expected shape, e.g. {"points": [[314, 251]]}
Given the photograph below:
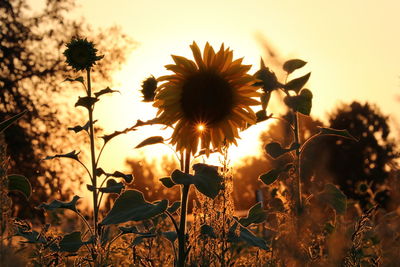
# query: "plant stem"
{"points": [[93, 158], [182, 223], [299, 204]]}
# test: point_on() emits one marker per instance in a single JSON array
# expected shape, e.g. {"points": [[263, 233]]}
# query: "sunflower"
{"points": [[207, 99], [81, 54]]}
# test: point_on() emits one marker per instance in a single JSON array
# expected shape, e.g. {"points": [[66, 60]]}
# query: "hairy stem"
{"points": [[182, 223], [93, 158]]}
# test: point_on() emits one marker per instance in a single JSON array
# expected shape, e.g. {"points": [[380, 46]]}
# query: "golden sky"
{"points": [[352, 48]]}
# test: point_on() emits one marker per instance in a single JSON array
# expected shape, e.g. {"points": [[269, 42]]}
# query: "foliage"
{"points": [[32, 68]]}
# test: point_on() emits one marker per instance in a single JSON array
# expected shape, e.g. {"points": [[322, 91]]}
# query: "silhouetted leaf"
{"points": [[32, 237], [5, 124], [112, 187], [207, 231], [150, 141], [298, 83], [131, 206], [245, 236], [179, 177], [71, 155], [107, 90], [207, 180], [56, 204], [270, 177], [293, 64], [174, 207], [117, 174], [19, 183], [334, 197], [256, 215], [335, 132], [261, 115], [86, 102], [167, 182], [72, 242], [78, 128], [139, 239], [275, 150], [170, 235], [78, 79], [301, 103]]}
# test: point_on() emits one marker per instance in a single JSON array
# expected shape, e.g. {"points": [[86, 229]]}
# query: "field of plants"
{"points": [[320, 195]]}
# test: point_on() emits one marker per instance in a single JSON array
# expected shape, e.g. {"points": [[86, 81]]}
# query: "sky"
{"points": [[352, 48]]}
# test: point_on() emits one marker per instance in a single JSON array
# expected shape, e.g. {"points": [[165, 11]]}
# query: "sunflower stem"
{"points": [[93, 158], [182, 224], [299, 204]]}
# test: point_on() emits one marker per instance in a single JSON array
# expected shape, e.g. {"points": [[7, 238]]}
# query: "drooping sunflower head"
{"points": [[81, 54], [149, 87], [207, 99]]}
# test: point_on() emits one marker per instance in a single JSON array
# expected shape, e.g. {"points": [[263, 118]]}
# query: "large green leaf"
{"points": [[207, 180], [56, 204], [131, 206], [19, 183], [256, 215], [72, 242], [293, 64], [5, 124], [334, 197]]}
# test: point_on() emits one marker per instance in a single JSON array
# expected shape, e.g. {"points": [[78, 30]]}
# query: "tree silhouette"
{"points": [[31, 71], [354, 165]]}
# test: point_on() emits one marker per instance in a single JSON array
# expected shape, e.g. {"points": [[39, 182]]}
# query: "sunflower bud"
{"points": [[267, 78], [81, 54], [149, 87]]}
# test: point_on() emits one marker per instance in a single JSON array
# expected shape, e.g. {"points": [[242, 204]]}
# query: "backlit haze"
{"points": [[351, 46]]}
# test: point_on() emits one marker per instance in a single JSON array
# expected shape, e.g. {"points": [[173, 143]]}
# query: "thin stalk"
{"points": [[93, 158], [299, 204], [182, 223]]}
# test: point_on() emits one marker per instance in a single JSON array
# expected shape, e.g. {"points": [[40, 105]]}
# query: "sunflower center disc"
{"points": [[207, 98]]}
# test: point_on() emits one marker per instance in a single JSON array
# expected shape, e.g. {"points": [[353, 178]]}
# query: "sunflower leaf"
{"points": [[71, 155], [298, 83], [77, 79], [170, 235], [270, 177], [86, 102], [107, 90], [5, 124], [275, 150], [255, 215], [174, 207], [131, 206], [19, 183], [167, 182], [335, 132], [79, 128], [72, 242], [179, 177], [207, 180], [151, 141], [293, 64], [301, 103], [245, 236], [56, 204], [334, 197]]}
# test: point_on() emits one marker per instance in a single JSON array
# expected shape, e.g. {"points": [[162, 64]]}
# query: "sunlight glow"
{"points": [[201, 127]]}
